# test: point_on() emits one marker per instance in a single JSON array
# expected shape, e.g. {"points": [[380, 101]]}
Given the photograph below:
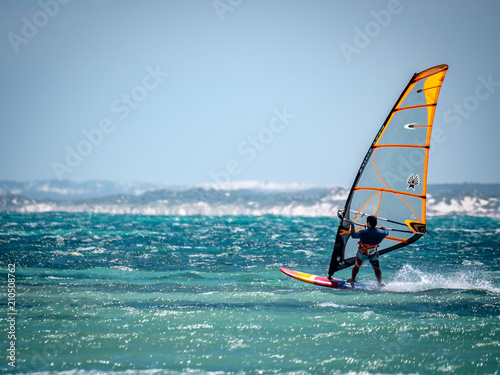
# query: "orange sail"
{"points": [[391, 183]]}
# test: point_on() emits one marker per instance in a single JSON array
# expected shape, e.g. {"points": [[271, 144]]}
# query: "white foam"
{"points": [[258, 185], [468, 205], [291, 203], [410, 279]]}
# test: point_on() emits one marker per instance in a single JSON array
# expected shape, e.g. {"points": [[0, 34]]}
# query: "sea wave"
{"points": [[249, 199], [413, 279]]}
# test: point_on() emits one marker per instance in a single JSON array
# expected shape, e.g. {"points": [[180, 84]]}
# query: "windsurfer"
{"points": [[369, 240]]}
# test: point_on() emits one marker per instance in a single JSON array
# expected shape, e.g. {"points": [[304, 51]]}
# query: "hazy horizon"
{"points": [[229, 184], [194, 92]]}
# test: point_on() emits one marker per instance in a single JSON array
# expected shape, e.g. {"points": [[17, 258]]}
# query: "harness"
{"points": [[367, 249]]}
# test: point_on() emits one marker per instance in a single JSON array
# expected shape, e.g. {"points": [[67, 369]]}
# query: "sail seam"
{"points": [[415, 106], [389, 191], [378, 192], [440, 69], [400, 146], [429, 88], [376, 171]]}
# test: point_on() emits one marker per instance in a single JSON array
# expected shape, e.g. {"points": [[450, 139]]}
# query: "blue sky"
{"points": [[187, 92]]}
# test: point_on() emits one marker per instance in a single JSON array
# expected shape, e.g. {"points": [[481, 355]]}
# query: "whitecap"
{"points": [[410, 279]]}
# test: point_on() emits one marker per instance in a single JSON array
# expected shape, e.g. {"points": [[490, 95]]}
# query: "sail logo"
{"points": [[413, 181]]}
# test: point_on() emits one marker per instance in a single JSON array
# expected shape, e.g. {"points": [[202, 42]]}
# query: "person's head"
{"points": [[371, 221]]}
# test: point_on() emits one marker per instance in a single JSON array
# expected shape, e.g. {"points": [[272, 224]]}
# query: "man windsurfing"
{"points": [[369, 240]]}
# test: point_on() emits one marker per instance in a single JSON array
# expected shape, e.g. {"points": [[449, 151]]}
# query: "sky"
{"points": [[190, 92]]}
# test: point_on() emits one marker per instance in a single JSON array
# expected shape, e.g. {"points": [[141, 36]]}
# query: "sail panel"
{"points": [[407, 127], [390, 167], [392, 180]]}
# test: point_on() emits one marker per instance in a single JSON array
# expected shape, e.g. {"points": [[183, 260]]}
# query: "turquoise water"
{"points": [[130, 294]]}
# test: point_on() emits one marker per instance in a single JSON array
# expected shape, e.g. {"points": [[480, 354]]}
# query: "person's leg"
{"points": [[378, 275], [356, 267], [376, 268], [355, 270]]}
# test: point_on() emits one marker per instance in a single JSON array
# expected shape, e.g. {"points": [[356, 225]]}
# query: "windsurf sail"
{"points": [[391, 183]]}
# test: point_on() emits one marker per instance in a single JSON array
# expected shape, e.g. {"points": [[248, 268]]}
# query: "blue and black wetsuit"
{"points": [[369, 238]]}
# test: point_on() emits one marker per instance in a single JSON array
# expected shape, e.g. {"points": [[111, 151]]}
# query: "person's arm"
{"points": [[386, 231], [353, 231]]}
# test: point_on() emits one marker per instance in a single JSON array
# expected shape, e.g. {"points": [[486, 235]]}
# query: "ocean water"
{"points": [[136, 294]]}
